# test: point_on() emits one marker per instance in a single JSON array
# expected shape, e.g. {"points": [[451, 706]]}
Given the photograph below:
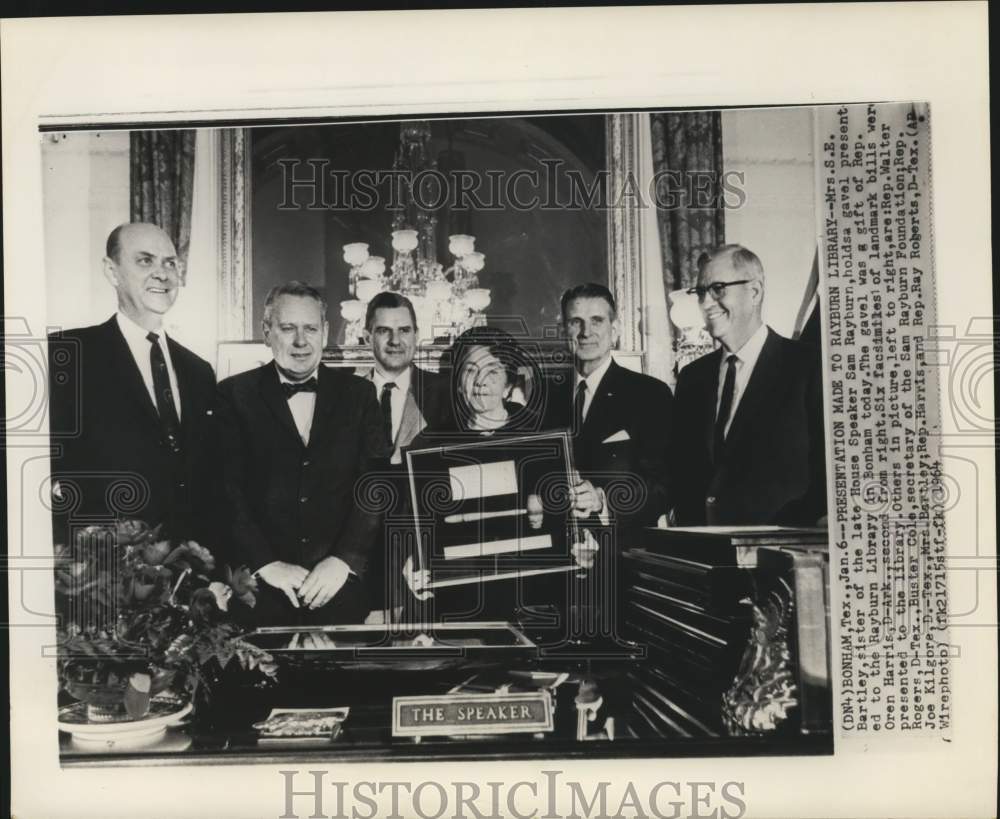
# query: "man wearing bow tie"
{"points": [[130, 409], [296, 438]]}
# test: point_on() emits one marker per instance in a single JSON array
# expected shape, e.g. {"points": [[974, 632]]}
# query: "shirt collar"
{"points": [[134, 334], [594, 379], [284, 380], [402, 381], [750, 351]]}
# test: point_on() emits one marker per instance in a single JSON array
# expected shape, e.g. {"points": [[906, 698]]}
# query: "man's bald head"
{"points": [[113, 247], [142, 265]]}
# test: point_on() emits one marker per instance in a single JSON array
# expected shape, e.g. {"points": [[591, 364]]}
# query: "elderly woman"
{"points": [[496, 391], [488, 368]]}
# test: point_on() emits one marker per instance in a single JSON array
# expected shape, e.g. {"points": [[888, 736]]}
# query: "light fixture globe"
{"points": [[352, 310], [356, 253], [474, 262], [461, 245], [404, 241], [373, 268], [367, 289], [477, 299], [684, 310]]}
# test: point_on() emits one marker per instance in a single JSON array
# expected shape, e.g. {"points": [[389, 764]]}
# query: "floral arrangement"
{"points": [[139, 615]]}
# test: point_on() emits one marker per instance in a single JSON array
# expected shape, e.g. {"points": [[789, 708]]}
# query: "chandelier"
{"points": [[447, 301]]}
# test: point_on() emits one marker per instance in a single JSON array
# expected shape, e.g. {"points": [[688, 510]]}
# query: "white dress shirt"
{"points": [[593, 382], [746, 360], [302, 406], [139, 346], [397, 398]]}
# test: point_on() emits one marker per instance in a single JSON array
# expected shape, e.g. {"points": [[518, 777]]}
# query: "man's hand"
{"points": [[585, 552], [416, 580], [587, 499], [284, 576], [324, 581], [668, 520]]}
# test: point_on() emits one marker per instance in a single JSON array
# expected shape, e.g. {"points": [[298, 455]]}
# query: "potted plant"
{"points": [[139, 615]]}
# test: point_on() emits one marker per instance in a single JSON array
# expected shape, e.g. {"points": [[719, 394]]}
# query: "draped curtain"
{"points": [[687, 161], [161, 183]]}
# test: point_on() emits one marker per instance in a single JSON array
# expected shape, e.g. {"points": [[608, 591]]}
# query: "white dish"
{"points": [[163, 714]]}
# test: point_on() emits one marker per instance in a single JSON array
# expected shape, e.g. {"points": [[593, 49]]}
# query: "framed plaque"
{"points": [[494, 508], [396, 647]]}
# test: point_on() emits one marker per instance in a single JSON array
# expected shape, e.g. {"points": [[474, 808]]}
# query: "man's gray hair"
{"points": [[744, 262], [293, 288]]}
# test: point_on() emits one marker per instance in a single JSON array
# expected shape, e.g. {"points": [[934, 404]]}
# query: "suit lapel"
{"points": [[761, 385], [185, 384], [414, 419], [412, 423], [709, 389], [326, 405], [124, 364], [274, 397], [595, 426]]}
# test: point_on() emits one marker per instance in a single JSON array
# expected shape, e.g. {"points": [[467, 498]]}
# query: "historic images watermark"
{"points": [[315, 184], [316, 795]]}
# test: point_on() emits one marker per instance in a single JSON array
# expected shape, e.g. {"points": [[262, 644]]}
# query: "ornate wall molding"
{"points": [[235, 269], [625, 226]]}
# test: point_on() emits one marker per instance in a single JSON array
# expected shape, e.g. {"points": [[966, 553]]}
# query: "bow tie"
{"points": [[291, 388]]}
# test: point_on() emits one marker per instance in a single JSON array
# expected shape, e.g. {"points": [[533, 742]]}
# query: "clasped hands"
{"points": [[304, 588], [587, 499]]}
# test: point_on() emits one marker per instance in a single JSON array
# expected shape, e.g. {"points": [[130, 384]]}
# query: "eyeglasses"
{"points": [[717, 289]]}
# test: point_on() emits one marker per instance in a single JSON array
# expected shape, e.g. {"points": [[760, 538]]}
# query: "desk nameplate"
{"points": [[459, 714]]}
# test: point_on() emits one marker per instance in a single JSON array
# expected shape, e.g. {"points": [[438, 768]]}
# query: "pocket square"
{"points": [[621, 435]]}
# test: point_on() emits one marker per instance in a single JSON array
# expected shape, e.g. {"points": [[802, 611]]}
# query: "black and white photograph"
{"points": [[450, 290], [556, 435]]}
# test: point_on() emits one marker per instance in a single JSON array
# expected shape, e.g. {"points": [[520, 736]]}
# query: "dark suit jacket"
{"points": [[772, 470], [431, 395], [287, 501], [633, 472], [109, 455]]}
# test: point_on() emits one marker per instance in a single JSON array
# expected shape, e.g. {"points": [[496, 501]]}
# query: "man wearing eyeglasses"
{"points": [[749, 417]]}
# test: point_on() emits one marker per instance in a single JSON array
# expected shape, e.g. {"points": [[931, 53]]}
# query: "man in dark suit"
{"points": [[131, 410], [410, 400], [620, 419], [749, 416], [296, 438]]}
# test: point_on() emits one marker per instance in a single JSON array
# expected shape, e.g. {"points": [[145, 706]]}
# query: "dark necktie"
{"points": [[725, 406], [385, 400], [578, 404], [295, 387], [164, 395]]}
